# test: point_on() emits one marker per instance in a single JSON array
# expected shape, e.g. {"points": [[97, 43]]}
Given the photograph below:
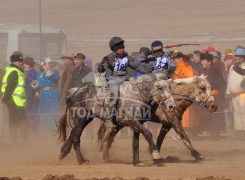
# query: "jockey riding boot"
{"points": [[109, 118]]}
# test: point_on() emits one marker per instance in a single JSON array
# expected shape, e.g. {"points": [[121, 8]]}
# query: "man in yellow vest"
{"points": [[14, 96]]}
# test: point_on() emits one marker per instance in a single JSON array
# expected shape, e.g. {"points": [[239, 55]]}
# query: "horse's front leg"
{"points": [[161, 136], [137, 127], [76, 135], [180, 131]]}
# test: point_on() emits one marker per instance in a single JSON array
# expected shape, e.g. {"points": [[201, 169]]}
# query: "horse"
{"points": [[84, 104], [185, 92]]}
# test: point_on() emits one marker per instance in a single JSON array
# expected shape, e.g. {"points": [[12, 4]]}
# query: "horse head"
{"points": [[161, 92], [201, 92]]}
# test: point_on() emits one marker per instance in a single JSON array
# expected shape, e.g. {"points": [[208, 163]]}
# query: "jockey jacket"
{"points": [[161, 64], [120, 65]]}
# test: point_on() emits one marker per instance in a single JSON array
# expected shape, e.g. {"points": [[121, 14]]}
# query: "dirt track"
{"points": [[89, 26], [35, 160]]}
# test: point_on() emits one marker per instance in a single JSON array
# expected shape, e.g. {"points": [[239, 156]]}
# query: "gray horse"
{"points": [[186, 92], [136, 96]]}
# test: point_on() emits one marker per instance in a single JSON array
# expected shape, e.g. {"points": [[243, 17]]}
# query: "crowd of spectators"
{"points": [[46, 87]]}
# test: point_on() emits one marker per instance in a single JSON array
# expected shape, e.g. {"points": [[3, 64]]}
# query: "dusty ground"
{"points": [[89, 26], [34, 160]]}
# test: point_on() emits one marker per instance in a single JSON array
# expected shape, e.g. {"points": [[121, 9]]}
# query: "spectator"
{"points": [[196, 63], [183, 70], [82, 75], [217, 61], [227, 63], [236, 89], [68, 61], [32, 101], [208, 49], [14, 96], [218, 83], [47, 82]]}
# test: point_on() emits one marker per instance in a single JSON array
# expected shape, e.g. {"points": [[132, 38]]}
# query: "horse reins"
{"points": [[187, 98]]}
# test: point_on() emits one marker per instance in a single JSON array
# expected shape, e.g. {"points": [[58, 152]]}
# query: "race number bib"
{"points": [[161, 63], [121, 64]]}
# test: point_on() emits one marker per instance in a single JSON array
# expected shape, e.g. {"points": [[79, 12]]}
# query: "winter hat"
{"points": [[16, 56]]}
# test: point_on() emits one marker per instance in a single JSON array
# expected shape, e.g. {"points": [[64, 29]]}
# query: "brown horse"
{"points": [[84, 104], [185, 91]]}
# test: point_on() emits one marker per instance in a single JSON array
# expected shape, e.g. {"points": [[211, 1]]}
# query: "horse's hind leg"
{"points": [[136, 159], [76, 139], [109, 141], [66, 148], [180, 131]]}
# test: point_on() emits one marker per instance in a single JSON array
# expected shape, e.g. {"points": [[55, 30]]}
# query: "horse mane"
{"points": [[141, 85], [185, 86]]}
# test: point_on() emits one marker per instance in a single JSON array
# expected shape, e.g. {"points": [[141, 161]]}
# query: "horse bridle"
{"points": [[189, 99]]}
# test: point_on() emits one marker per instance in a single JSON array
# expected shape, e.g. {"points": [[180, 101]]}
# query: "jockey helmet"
{"points": [[156, 45], [116, 43]]}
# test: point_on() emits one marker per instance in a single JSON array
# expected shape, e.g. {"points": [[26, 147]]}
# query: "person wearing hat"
{"points": [[216, 60], [196, 63], [47, 85], [227, 63], [218, 83], [14, 96], [116, 71], [208, 49], [32, 103], [183, 70], [82, 75], [68, 61], [236, 90]]}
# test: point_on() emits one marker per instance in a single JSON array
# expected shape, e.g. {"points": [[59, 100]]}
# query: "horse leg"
{"points": [[136, 159], [76, 139], [163, 132], [109, 141], [66, 148], [137, 127], [180, 131]]}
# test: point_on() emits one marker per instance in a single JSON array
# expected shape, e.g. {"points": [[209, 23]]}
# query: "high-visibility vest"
{"points": [[97, 80], [19, 94]]}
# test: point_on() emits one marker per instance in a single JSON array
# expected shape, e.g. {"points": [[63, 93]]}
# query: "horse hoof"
{"points": [[85, 161], [197, 155], [139, 164], [107, 160], [158, 161], [156, 155], [199, 158], [60, 157]]}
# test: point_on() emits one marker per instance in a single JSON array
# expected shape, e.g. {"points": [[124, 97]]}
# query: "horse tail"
{"points": [[62, 126]]}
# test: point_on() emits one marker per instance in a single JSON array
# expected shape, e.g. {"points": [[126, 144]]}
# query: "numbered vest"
{"points": [[19, 94], [161, 63], [121, 64]]}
